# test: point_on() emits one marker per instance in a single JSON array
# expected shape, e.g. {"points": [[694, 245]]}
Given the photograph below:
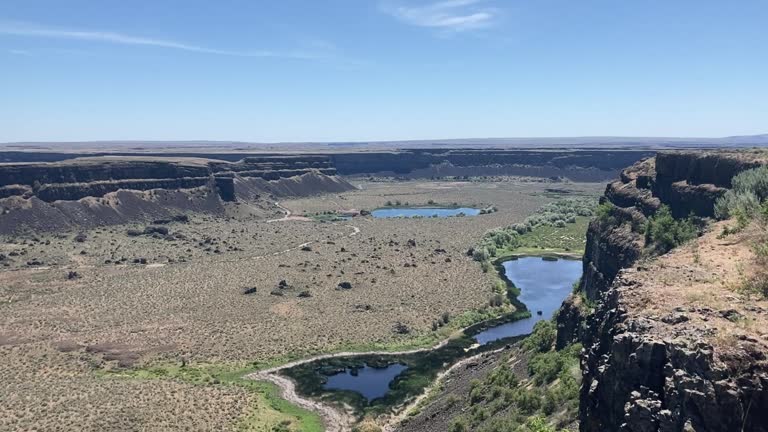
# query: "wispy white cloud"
{"points": [[32, 30], [451, 15]]}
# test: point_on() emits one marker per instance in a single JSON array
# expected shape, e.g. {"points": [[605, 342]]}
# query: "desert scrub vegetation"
{"points": [[501, 401], [559, 226], [663, 232], [744, 200], [747, 203], [269, 413]]}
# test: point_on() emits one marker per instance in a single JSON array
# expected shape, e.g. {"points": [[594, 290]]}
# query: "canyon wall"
{"points": [[643, 373], [88, 192], [578, 165]]}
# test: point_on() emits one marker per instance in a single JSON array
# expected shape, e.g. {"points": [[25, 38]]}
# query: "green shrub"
{"points": [[545, 367], [485, 266], [663, 232], [538, 424], [542, 338], [749, 189], [458, 425], [605, 215], [481, 254], [528, 401]]}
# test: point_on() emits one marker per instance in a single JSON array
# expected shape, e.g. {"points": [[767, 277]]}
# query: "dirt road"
{"points": [[335, 420]]}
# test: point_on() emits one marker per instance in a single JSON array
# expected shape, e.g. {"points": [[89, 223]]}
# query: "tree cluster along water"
{"points": [[543, 284], [402, 212]]}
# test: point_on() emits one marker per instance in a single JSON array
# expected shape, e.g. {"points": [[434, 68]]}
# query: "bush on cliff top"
{"points": [[663, 232], [750, 189]]}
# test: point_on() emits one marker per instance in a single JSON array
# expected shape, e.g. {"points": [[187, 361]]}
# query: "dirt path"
{"points": [[288, 216], [334, 419]]}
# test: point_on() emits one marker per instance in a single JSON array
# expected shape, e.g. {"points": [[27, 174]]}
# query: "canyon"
{"points": [[231, 263]]}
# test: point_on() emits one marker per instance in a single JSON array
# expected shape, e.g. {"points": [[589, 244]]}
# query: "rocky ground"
{"points": [[681, 329], [229, 290], [451, 397]]}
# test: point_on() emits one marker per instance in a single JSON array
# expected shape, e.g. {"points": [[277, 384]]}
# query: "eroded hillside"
{"points": [[90, 192]]}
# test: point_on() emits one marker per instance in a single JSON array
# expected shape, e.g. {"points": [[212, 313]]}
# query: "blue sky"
{"points": [[344, 70]]}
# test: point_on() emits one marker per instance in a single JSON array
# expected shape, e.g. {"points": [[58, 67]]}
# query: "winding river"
{"points": [[543, 283]]}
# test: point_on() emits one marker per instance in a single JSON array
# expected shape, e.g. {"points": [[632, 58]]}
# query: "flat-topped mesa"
{"points": [[652, 360], [95, 177], [578, 165], [96, 191], [96, 169]]}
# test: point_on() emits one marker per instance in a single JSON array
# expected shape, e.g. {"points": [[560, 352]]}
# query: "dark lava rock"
{"points": [[675, 318], [400, 328], [81, 237], [345, 285], [248, 291], [412, 243], [73, 275], [306, 249], [305, 294], [731, 315], [277, 293], [156, 230]]}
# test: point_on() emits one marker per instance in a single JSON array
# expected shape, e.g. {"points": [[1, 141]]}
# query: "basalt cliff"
{"points": [[93, 191], [577, 165], [670, 343]]}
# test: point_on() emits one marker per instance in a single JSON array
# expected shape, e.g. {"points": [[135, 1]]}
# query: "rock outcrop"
{"points": [[688, 182], [643, 372], [101, 191], [653, 373]]}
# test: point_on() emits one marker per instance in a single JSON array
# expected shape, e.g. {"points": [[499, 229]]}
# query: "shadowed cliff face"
{"points": [[644, 372], [578, 165], [93, 191]]}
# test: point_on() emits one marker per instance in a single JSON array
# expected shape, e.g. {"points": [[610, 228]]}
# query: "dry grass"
{"points": [[709, 276], [187, 302]]}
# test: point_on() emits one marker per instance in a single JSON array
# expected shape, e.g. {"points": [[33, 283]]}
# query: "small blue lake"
{"points": [[370, 382], [543, 286], [406, 212]]}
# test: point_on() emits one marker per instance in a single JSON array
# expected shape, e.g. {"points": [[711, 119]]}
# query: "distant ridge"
{"points": [[585, 142]]}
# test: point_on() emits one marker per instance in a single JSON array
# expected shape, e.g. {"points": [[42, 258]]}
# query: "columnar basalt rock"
{"points": [[638, 375], [638, 378]]}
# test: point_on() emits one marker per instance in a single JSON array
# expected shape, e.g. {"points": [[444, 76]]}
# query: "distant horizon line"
{"points": [[762, 136]]}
